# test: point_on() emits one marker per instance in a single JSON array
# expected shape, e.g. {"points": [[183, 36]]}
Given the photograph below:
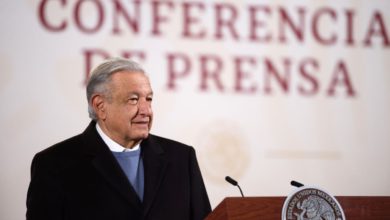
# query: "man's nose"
{"points": [[144, 107]]}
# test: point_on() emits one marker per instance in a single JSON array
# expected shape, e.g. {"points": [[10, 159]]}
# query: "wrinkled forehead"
{"points": [[131, 81]]}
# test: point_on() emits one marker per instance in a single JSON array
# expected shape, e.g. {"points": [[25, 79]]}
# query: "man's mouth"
{"points": [[141, 122]]}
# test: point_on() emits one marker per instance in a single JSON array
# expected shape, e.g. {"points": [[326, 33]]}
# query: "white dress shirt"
{"points": [[115, 147]]}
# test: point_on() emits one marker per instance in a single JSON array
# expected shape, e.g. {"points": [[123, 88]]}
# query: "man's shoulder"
{"points": [[66, 146], [60, 155], [170, 146], [167, 142], [71, 145]]}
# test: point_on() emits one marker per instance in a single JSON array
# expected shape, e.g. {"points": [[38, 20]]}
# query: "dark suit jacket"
{"points": [[80, 179]]}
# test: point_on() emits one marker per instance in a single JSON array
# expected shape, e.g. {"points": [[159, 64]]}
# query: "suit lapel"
{"points": [[111, 171], [155, 165], [106, 164]]}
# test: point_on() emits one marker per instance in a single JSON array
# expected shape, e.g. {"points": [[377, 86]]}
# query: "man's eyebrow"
{"points": [[133, 93], [138, 93]]}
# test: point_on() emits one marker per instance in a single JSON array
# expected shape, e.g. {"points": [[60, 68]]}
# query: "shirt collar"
{"points": [[112, 145]]}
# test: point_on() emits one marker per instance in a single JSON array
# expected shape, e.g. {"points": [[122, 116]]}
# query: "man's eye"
{"points": [[133, 100], [149, 99]]}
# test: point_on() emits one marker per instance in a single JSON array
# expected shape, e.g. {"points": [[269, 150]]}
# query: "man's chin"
{"points": [[143, 135]]}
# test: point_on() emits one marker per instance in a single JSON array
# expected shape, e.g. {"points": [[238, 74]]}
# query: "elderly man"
{"points": [[115, 169]]}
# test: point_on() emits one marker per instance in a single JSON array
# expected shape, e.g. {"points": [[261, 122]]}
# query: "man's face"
{"points": [[126, 116]]}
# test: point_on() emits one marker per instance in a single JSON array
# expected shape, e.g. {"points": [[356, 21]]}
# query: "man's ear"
{"points": [[98, 104]]}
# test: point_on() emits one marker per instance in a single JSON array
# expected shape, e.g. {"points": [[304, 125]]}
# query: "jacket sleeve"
{"points": [[44, 196], [200, 204]]}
